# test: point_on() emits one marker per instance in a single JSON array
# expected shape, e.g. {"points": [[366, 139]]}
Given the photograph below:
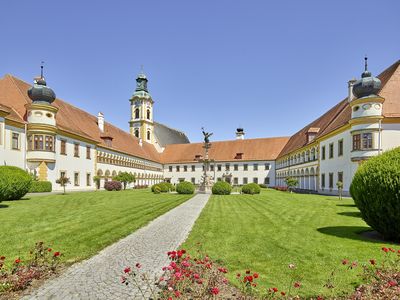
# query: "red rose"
{"points": [[238, 275], [275, 289], [255, 275], [345, 262], [297, 284], [214, 291], [248, 272], [372, 261], [384, 249], [17, 261], [138, 265], [56, 254], [283, 293], [127, 270], [49, 249], [392, 283]]}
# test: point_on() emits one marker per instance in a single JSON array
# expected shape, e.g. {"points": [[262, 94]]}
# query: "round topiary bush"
{"points": [[156, 190], [185, 187], [251, 188], [14, 183], [170, 186], [221, 188], [376, 192], [113, 185], [40, 186]]}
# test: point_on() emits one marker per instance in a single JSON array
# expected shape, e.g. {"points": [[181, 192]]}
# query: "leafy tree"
{"points": [[339, 185], [96, 180], [125, 178], [63, 181], [291, 182]]}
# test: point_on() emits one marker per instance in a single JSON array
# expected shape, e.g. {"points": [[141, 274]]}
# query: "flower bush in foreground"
{"points": [[186, 277], [18, 274]]}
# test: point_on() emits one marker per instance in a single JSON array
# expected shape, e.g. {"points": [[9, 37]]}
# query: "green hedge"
{"points": [[14, 183], [376, 192], [164, 187], [185, 187], [251, 188], [40, 187], [221, 188]]}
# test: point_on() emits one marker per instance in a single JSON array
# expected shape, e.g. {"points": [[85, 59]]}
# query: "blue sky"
{"points": [[270, 67]]}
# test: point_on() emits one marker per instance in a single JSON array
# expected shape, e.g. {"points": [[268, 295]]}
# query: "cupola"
{"points": [[40, 93], [368, 85]]}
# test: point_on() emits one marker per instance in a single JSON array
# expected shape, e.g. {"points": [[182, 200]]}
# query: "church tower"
{"points": [[141, 123]]}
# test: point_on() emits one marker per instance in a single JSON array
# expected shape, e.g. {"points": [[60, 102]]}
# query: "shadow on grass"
{"points": [[349, 232], [355, 214], [3, 206], [346, 205]]}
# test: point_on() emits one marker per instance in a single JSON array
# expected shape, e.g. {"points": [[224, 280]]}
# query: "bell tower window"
{"points": [[148, 135], [137, 111], [148, 114], [137, 133]]}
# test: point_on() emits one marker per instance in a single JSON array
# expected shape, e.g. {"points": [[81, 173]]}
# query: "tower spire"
{"points": [[366, 63], [41, 69]]}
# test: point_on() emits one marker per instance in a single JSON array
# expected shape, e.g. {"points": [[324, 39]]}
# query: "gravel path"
{"points": [[99, 276]]}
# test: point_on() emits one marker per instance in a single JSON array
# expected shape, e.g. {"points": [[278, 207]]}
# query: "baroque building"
{"points": [[50, 138]]}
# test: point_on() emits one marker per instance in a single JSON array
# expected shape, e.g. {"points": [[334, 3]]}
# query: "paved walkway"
{"points": [[99, 276]]}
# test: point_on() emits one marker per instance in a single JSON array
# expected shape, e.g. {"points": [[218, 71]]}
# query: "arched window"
{"points": [[148, 135], [148, 114], [137, 113], [137, 133]]}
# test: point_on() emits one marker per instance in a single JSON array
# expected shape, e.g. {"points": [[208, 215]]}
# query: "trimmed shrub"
{"points": [[162, 186], [40, 187], [251, 188], [14, 183], [156, 190], [170, 186], [263, 186], [185, 187], [376, 192], [113, 185], [221, 188]]}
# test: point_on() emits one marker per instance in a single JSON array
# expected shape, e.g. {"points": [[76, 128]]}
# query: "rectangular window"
{"points": [[211, 167], [245, 167], [235, 180], [181, 179], [323, 152], [193, 168], [255, 167], [227, 167], [63, 148], [37, 142], [88, 179], [88, 152], [340, 147], [245, 181], [203, 168], [15, 141], [331, 180], [219, 167], [331, 150], [267, 166], [322, 181], [76, 149], [170, 168], [235, 167], [266, 180], [219, 179], [184, 168], [356, 142], [255, 180], [76, 179], [30, 142], [63, 174], [193, 180], [340, 176], [367, 140], [49, 143], [178, 168]]}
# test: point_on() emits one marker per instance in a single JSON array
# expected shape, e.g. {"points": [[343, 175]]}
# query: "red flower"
{"points": [[345, 261], [384, 249], [372, 261], [56, 254], [49, 249], [177, 294], [214, 291], [274, 289], [392, 283], [127, 270], [238, 275], [2, 258], [123, 279], [297, 284], [283, 293], [391, 250], [255, 275], [196, 276], [138, 265], [17, 261], [223, 270], [248, 272], [320, 298]]}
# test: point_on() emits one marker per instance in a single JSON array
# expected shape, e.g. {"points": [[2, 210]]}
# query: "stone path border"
{"points": [[99, 276]]}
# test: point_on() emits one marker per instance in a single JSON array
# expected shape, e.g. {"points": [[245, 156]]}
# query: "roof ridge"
{"points": [[13, 79], [235, 140]]}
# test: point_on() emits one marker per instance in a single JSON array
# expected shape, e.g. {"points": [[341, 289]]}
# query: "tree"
{"points": [[96, 180], [339, 185], [125, 178], [291, 182], [63, 181]]}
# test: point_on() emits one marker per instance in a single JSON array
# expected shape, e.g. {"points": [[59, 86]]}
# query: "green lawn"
{"points": [[266, 232], [78, 224]]}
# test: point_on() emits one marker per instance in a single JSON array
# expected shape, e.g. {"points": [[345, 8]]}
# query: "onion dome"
{"points": [[368, 85], [141, 83]]}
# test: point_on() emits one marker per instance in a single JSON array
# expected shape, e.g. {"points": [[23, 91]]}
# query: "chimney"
{"points": [[239, 134], [140, 142], [100, 121], [350, 84]]}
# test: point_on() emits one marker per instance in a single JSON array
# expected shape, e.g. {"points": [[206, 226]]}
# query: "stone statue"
{"points": [[206, 136]]}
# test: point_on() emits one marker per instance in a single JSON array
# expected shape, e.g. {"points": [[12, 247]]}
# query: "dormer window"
{"points": [[107, 140], [312, 133], [239, 155], [197, 157]]}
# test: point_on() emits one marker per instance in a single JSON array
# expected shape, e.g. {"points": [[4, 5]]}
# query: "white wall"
{"points": [[9, 156]]}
